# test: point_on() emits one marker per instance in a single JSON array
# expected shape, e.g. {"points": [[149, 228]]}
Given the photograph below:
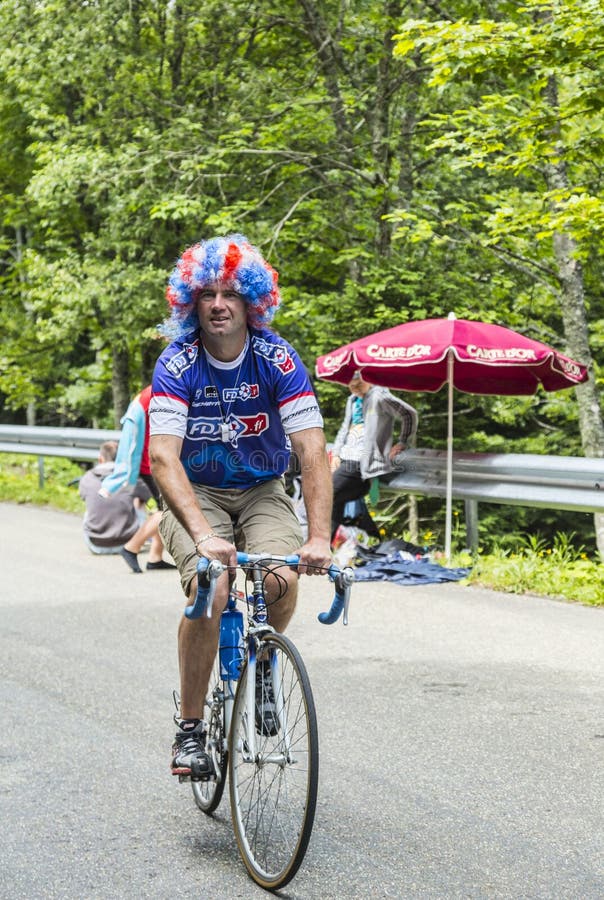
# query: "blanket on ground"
{"points": [[406, 571]]}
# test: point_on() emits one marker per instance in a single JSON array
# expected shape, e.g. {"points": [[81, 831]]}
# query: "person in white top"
{"points": [[364, 448]]}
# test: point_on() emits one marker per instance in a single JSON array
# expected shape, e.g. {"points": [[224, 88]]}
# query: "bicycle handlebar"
{"points": [[209, 571]]}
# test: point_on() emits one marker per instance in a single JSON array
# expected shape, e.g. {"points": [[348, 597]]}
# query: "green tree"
{"points": [[538, 118], [130, 130]]}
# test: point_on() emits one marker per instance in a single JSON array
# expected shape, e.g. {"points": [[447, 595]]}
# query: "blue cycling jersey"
{"points": [[234, 418]]}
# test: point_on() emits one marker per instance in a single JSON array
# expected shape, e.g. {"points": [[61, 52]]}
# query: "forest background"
{"points": [[392, 160]]}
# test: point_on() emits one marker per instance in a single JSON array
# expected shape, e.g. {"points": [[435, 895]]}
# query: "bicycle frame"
{"points": [[223, 698], [262, 734], [208, 573]]}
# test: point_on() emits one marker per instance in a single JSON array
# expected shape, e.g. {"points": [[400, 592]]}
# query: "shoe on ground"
{"points": [[160, 565], [267, 720], [131, 559], [189, 757]]}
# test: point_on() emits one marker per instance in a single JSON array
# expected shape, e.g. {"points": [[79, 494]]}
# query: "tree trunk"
{"points": [[21, 238], [179, 43], [576, 332], [120, 383], [149, 353], [330, 59], [574, 317], [385, 92]]}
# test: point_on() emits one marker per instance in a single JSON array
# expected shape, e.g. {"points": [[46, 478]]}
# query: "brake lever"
{"points": [[212, 570]]}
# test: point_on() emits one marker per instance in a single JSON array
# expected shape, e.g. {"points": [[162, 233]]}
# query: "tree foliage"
{"points": [[385, 178]]}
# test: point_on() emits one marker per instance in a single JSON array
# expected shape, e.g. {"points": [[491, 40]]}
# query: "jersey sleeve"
{"points": [[297, 402], [170, 396]]}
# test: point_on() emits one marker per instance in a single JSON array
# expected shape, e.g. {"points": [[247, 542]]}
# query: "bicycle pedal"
{"points": [[201, 772], [182, 778]]}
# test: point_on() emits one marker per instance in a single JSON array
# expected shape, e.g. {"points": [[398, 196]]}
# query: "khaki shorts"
{"points": [[258, 519]]}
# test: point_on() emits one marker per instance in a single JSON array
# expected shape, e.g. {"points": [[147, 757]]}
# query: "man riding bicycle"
{"points": [[230, 400]]}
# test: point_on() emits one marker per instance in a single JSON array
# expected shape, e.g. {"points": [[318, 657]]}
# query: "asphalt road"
{"points": [[462, 738]]}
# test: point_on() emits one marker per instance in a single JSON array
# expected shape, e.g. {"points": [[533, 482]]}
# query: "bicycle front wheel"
{"points": [[274, 767], [208, 794]]}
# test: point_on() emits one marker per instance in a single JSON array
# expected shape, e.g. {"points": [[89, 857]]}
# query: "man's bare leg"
{"points": [[147, 530], [281, 610], [198, 639], [197, 646]]}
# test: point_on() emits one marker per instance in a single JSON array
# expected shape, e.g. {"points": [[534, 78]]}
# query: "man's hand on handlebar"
{"points": [[315, 556], [221, 549]]}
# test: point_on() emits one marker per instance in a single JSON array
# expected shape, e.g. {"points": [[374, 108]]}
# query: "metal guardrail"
{"points": [[517, 479], [552, 482], [38, 440]]}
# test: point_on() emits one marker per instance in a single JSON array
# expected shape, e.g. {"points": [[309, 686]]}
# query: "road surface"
{"points": [[462, 738]]}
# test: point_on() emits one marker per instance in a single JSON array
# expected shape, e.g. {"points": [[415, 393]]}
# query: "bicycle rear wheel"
{"points": [[274, 794], [208, 794]]}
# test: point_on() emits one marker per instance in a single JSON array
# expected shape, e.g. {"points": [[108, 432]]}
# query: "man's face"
{"points": [[221, 311], [356, 385]]}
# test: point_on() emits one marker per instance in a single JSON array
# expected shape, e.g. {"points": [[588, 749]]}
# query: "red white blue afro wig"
{"points": [[231, 260]]}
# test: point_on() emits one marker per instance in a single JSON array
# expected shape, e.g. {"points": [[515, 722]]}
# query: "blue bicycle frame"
{"points": [[209, 572]]}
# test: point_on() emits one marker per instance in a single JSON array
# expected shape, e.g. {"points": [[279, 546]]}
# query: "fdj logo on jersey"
{"points": [[211, 429], [183, 360], [203, 429], [242, 392], [275, 353]]}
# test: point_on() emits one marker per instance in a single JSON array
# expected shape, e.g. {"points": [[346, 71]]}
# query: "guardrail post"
{"points": [[472, 524], [41, 471]]}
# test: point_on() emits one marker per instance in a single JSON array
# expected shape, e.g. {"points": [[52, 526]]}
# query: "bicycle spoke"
{"points": [[208, 794], [273, 797]]}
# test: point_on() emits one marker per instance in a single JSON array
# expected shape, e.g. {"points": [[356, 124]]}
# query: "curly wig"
{"points": [[231, 260]]}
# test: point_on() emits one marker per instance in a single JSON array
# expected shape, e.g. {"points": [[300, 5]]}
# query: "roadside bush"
{"points": [[561, 571], [19, 481]]}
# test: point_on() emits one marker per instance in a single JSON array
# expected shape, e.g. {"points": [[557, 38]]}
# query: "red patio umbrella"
{"points": [[474, 357]]}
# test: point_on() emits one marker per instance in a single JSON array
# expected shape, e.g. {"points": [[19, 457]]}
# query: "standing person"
{"points": [[111, 523], [131, 464], [132, 459], [363, 447], [230, 400]]}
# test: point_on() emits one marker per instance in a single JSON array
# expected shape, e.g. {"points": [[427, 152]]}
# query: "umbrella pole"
{"points": [[449, 494]]}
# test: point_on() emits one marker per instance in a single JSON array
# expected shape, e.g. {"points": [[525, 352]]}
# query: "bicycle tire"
{"points": [[273, 804], [208, 794]]}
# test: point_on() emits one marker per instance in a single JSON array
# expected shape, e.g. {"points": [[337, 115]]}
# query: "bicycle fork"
{"points": [[224, 698], [249, 751]]}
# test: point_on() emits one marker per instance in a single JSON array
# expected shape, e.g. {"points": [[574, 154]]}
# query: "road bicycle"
{"points": [[263, 738]]}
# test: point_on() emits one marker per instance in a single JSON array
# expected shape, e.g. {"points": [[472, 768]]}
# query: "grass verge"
{"points": [[19, 482], [562, 571]]}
